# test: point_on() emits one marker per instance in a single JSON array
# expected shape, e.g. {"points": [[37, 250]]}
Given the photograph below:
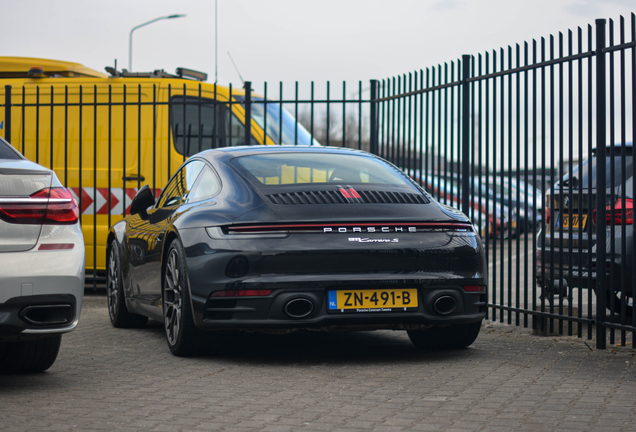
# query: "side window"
{"points": [[206, 187], [6, 152], [179, 187], [197, 126]]}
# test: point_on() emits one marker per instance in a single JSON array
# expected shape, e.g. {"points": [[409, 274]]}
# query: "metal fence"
{"points": [[494, 135], [482, 132]]}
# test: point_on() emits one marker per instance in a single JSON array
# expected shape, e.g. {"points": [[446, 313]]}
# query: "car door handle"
{"points": [[134, 178]]}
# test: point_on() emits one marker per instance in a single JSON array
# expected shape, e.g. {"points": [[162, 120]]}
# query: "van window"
{"points": [[282, 127], [198, 126]]}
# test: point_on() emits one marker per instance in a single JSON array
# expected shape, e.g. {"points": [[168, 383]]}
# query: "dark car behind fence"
{"points": [[497, 133]]}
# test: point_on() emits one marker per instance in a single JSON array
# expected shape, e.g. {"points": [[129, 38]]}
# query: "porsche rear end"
{"points": [[390, 273]]}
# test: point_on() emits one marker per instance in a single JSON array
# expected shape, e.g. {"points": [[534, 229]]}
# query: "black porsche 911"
{"points": [[270, 238]]}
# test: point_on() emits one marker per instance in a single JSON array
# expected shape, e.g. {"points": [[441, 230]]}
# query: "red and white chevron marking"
{"points": [[96, 200]]}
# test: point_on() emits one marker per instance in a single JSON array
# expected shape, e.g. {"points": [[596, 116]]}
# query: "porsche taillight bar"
{"points": [[318, 226]]}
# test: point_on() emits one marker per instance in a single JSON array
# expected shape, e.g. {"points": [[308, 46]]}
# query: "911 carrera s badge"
{"points": [[369, 240]]}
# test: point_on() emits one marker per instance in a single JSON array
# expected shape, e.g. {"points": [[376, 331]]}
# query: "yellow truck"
{"points": [[106, 135]]}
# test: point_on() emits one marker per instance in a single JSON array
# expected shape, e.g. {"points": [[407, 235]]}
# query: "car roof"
{"points": [[266, 149]]}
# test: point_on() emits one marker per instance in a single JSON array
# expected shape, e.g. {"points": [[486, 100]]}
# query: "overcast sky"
{"points": [[274, 40]]}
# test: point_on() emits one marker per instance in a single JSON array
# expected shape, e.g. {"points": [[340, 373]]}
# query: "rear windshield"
{"points": [[297, 168], [582, 178], [7, 152]]}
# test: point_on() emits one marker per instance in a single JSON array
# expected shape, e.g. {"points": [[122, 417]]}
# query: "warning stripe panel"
{"points": [[99, 200]]}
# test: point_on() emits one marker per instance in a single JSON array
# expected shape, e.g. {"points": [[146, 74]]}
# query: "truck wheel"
{"points": [[117, 310], [450, 337], [30, 356]]}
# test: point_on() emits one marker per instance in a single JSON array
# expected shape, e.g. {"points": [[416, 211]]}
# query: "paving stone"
{"points": [[117, 379]]}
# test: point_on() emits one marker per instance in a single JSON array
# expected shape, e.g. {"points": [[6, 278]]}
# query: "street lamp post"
{"points": [[141, 25]]}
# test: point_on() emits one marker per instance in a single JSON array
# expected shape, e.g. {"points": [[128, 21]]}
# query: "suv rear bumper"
{"points": [[29, 317]]}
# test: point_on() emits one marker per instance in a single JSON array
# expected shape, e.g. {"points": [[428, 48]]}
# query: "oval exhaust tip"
{"points": [[299, 308], [445, 305]]}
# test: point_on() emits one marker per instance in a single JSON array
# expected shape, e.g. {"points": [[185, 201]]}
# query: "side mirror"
{"points": [[142, 201]]}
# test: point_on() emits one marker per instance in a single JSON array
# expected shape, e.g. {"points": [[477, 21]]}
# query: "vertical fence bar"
{"points": [[570, 169], [23, 117], [623, 246], [344, 114], [465, 128], [611, 282], [359, 115], [373, 138], [80, 184], [248, 112], [7, 113], [633, 67], [580, 167], [590, 202], [123, 164], [296, 113], [51, 139], [65, 136], [37, 124], [507, 179], [110, 132], [601, 239], [94, 187]]}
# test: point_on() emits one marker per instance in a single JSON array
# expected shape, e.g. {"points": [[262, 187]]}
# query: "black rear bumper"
{"points": [[269, 312], [31, 317]]}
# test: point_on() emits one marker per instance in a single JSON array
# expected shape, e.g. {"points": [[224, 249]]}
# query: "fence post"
{"points": [[601, 236], [465, 125], [7, 113], [248, 113], [373, 138]]}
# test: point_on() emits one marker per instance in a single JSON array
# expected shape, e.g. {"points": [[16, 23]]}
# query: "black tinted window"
{"points": [[203, 125], [196, 126], [6, 152]]}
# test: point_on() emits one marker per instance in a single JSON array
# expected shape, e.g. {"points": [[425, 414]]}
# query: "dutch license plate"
{"points": [[379, 300], [574, 220]]}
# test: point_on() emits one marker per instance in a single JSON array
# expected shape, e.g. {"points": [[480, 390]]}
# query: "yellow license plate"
{"points": [[378, 300], [574, 220]]}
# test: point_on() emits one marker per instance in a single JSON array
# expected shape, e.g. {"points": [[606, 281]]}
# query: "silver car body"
{"points": [[37, 260]]}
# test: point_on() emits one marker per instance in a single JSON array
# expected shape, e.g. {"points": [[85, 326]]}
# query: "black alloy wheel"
{"points": [[183, 337], [119, 315], [451, 337]]}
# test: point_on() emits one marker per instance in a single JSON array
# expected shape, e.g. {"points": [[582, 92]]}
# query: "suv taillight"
{"points": [[616, 212], [51, 206]]}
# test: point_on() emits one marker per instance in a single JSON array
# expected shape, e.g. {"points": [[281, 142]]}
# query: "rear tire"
{"points": [[119, 315], [451, 337], [183, 337], [30, 356]]}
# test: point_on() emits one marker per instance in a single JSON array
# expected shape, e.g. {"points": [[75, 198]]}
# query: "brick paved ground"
{"points": [[112, 379]]}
